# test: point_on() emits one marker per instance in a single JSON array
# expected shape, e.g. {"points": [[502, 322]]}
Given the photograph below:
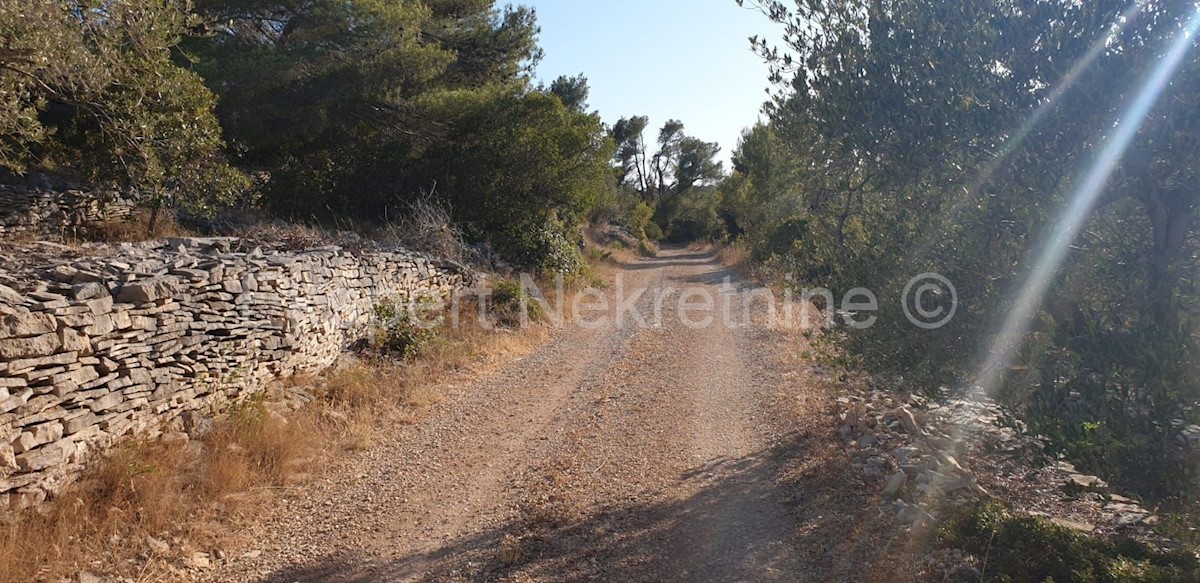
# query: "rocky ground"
{"points": [[930, 458]]}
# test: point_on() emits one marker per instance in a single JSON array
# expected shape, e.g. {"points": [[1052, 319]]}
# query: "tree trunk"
{"points": [[1171, 215], [152, 224]]}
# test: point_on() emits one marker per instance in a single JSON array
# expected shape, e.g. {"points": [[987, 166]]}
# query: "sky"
{"points": [[683, 59]]}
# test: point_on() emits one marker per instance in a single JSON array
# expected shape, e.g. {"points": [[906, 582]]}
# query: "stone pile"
{"points": [[922, 454], [897, 448], [32, 211], [155, 337]]}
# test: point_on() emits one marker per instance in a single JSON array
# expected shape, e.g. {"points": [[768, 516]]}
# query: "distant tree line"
{"points": [[673, 186]]}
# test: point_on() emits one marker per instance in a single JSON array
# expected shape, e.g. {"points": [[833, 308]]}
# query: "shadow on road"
{"points": [[833, 534], [675, 258]]}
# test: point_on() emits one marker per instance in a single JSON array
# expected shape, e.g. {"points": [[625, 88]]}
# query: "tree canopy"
{"points": [[340, 109], [90, 90]]}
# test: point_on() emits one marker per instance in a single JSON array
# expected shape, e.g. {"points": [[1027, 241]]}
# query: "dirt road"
{"points": [[651, 448]]}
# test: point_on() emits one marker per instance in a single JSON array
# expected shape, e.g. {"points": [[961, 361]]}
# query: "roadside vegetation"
{"points": [[359, 114], [1018, 547], [909, 137]]}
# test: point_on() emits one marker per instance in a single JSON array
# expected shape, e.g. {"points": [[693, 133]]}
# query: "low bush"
{"points": [[1015, 548], [402, 330], [511, 304], [642, 224]]}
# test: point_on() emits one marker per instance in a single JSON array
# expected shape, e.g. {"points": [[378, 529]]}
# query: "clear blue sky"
{"points": [[683, 59]]}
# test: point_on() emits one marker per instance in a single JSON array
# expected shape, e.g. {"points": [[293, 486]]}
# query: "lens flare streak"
{"points": [[1082, 202]]}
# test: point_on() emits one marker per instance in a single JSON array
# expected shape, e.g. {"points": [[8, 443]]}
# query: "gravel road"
{"points": [[616, 452]]}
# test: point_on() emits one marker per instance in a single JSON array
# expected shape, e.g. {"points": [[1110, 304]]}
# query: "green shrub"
{"points": [[641, 221], [653, 232], [511, 305], [648, 249], [542, 245], [1026, 548], [1109, 399], [399, 329]]}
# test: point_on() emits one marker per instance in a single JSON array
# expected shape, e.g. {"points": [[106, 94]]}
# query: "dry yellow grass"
{"points": [[732, 256], [136, 228], [143, 494]]}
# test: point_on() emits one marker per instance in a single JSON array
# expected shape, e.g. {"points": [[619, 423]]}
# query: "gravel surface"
{"points": [[617, 452]]}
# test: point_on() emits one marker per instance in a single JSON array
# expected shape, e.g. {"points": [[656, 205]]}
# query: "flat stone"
{"points": [[1073, 525], [199, 561], [139, 376], [1086, 482], [15, 400], [148, 290], [80, 320], [157, 546], [897, 481], [106, 402], [10, 296], [44, 345], [74, 341], [89, 291], [44, 296], [71, 380], [46, 306], [39, 374], [27, 324], [963, 484], [121, 320], [910, 422], [101, 325], [949, 461], [22, 364], [101, 305], [903, 454], [37, 435], [50, 455], [73, 426]]}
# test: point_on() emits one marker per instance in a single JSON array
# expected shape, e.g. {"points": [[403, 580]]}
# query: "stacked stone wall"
{"points": [[40, 212], [157, 337]]}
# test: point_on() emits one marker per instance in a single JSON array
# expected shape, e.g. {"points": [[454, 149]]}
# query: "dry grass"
{"points": [[428, 226], [136, 228], [734, 257], [195, 496], [143, 494]]}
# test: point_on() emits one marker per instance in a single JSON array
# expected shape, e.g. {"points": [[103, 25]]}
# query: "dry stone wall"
{"points": [[28, 210], [155, 337]]}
